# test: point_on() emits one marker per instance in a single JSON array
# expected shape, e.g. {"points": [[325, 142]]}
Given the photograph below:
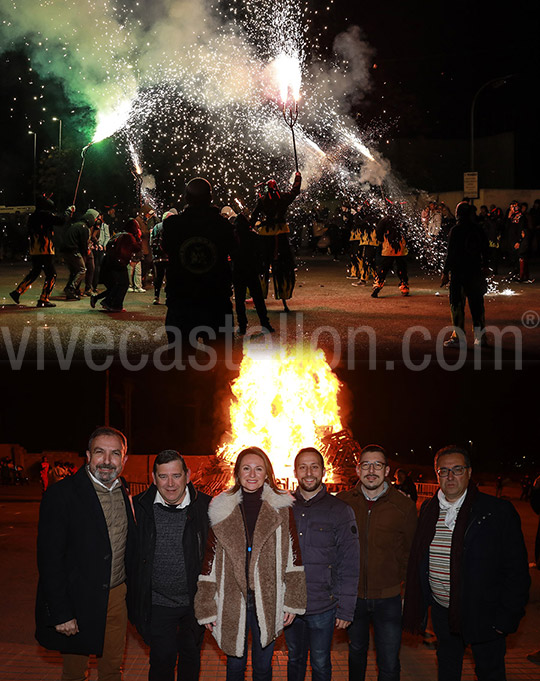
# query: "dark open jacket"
{"points": [[330, 552], [74, 561], [494, 575], [194, 543]]}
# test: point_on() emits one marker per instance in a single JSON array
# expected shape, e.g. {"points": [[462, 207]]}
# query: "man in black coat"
{"points": [[469, 563], [199, 244], [172, 525], [84, 524]]}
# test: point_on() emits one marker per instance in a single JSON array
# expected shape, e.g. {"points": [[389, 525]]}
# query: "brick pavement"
{"points": [[28, 662]]}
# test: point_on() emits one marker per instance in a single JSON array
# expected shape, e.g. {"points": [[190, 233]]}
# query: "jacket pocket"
{"points": [[321, 535]]}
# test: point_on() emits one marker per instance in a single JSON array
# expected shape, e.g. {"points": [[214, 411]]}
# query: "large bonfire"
{"points": [[281, 403]]}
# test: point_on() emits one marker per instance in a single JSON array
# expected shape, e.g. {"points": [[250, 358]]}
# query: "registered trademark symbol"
{"points": [[530, 319]]}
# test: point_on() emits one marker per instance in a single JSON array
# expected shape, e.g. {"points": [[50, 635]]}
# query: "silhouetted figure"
{"points": [[269, 216], [199, 243]]}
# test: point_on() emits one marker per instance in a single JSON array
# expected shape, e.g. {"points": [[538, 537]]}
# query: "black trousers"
{"points": [[160, 267], [39, 262], [116, 280], [276, 255], [471, 289], [488, 655], [175, 636], [386, 264], [242, 281]]}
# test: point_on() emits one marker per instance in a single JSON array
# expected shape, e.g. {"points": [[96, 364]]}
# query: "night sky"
{"points": [[402, 410], [428, 61]]}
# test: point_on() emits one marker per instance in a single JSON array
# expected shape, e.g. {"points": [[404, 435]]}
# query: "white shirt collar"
{"points": [[185, 501], [384, 489], [98, 482]]}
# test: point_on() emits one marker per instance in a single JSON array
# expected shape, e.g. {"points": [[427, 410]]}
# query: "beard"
{"points": [[105, 473]]}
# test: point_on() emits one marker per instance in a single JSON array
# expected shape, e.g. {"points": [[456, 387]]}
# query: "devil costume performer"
{"points": [[41, 226], [269, 218]]}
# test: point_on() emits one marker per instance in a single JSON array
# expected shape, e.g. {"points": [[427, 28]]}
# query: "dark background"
{"points": [[407, 412], [430, 60]]}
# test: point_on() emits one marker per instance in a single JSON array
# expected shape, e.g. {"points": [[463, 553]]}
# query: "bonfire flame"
{"points": [[281, 404]]}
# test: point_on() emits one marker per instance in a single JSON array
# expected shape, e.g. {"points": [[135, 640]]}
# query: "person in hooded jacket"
{"points": [[465, 268], [114, 269], [75, 248], [41, 226], [199, 244]]}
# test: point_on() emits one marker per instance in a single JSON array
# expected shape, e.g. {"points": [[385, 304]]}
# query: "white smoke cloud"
{"points": [[108, 55]]}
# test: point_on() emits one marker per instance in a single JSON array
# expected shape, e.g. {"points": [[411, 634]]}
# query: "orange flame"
{"points": [[282, 403]]}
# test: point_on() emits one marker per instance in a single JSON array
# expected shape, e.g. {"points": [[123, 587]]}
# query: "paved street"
{"points": [[22, 659], [327, 311]]}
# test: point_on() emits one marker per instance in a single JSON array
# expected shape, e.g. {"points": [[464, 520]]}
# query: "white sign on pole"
{"points": [[470, 185]]}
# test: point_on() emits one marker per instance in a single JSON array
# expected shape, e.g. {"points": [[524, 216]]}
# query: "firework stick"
{"points": [[294, 147], [83, 155]]}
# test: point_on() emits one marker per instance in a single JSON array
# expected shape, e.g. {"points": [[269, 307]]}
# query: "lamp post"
{"points": [[59, 132], [34, 169], [496, 82]]}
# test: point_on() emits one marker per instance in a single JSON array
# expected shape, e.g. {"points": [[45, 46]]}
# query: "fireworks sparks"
{"points": [[109, 122], [192, 88], [288, 76], [189, 83]]}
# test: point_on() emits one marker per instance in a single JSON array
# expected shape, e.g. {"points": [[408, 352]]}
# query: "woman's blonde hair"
{"points": [[270, 477]]}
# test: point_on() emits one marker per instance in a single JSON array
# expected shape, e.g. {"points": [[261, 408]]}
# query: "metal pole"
{"points": [[83, 155], [500, 81], [294, 147], [34, 174], [291, 116]]}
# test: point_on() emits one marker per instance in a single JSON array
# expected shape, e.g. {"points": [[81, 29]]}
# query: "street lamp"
{"points": [[496, 82], [59, 132], [34, 171]]}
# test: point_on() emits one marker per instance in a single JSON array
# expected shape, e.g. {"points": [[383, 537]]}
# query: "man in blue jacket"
{"points": [[330, 553], [469, 563]]}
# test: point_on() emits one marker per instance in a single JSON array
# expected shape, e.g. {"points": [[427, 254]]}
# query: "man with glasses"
{"points": [[386, 521], [469, 563]]}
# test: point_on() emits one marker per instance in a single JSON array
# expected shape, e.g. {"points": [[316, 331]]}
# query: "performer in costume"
{"points": [[269, 218]]}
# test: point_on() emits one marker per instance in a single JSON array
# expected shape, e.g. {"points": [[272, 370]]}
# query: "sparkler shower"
{"points": [[194, 88], [200, 84]]}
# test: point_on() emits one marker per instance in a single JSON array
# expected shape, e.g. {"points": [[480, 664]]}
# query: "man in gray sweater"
{"points": [[172, 525]]}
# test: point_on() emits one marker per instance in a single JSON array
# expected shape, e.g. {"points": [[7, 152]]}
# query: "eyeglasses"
{"points": [[456, 470], [377, 465]]}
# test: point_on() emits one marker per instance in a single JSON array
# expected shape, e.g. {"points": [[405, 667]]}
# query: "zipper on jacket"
{"points": [[366, 559]]}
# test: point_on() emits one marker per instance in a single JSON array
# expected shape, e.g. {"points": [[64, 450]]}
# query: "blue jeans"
{"points": [[385, 614], [261, 658], [311, 633]]}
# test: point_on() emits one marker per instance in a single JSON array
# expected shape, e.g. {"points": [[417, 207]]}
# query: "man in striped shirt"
{"points": [[469, 563]]}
